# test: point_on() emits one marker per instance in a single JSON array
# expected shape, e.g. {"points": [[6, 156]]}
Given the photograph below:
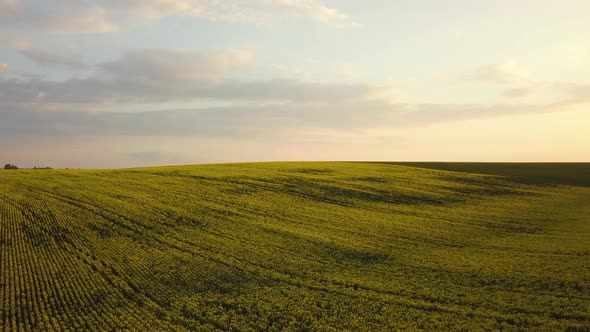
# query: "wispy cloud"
{"points": [[253, 121], [507, 73], [256, 11], [9, 6], [98, 16], [255, 107], [155, 76], [41, 56], [154, 158], [62, 16], [517, 92], [169, 66], [46, 58], [515, 82], [576, 91]]}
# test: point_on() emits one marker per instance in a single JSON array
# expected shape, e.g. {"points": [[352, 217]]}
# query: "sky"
{"points": [[110, 83]]}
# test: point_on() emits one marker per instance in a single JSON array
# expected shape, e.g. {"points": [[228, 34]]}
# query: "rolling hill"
{"points": [[297, 246]]}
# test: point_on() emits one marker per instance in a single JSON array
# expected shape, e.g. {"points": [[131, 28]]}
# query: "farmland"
{"points": [[296, 246]]}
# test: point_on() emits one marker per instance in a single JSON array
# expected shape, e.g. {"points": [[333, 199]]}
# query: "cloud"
{"points": [[505, 73], [286, 89], [90, 19], [96, 16], [577, 91], [156, 76], [63, 16], [252, 107], [46, 58], [154, 158], [169, 66], [9, 6], [516, 83], [252, 121], [109, 91], [517, 92], [4, 67], [257, 11], [158, 9], [310, 8]]}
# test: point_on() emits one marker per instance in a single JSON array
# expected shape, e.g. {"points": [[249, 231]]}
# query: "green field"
{"points": [[297, 246]]}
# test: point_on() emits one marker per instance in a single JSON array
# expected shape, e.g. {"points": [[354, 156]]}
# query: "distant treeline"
{"points": [[11, 166]]}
